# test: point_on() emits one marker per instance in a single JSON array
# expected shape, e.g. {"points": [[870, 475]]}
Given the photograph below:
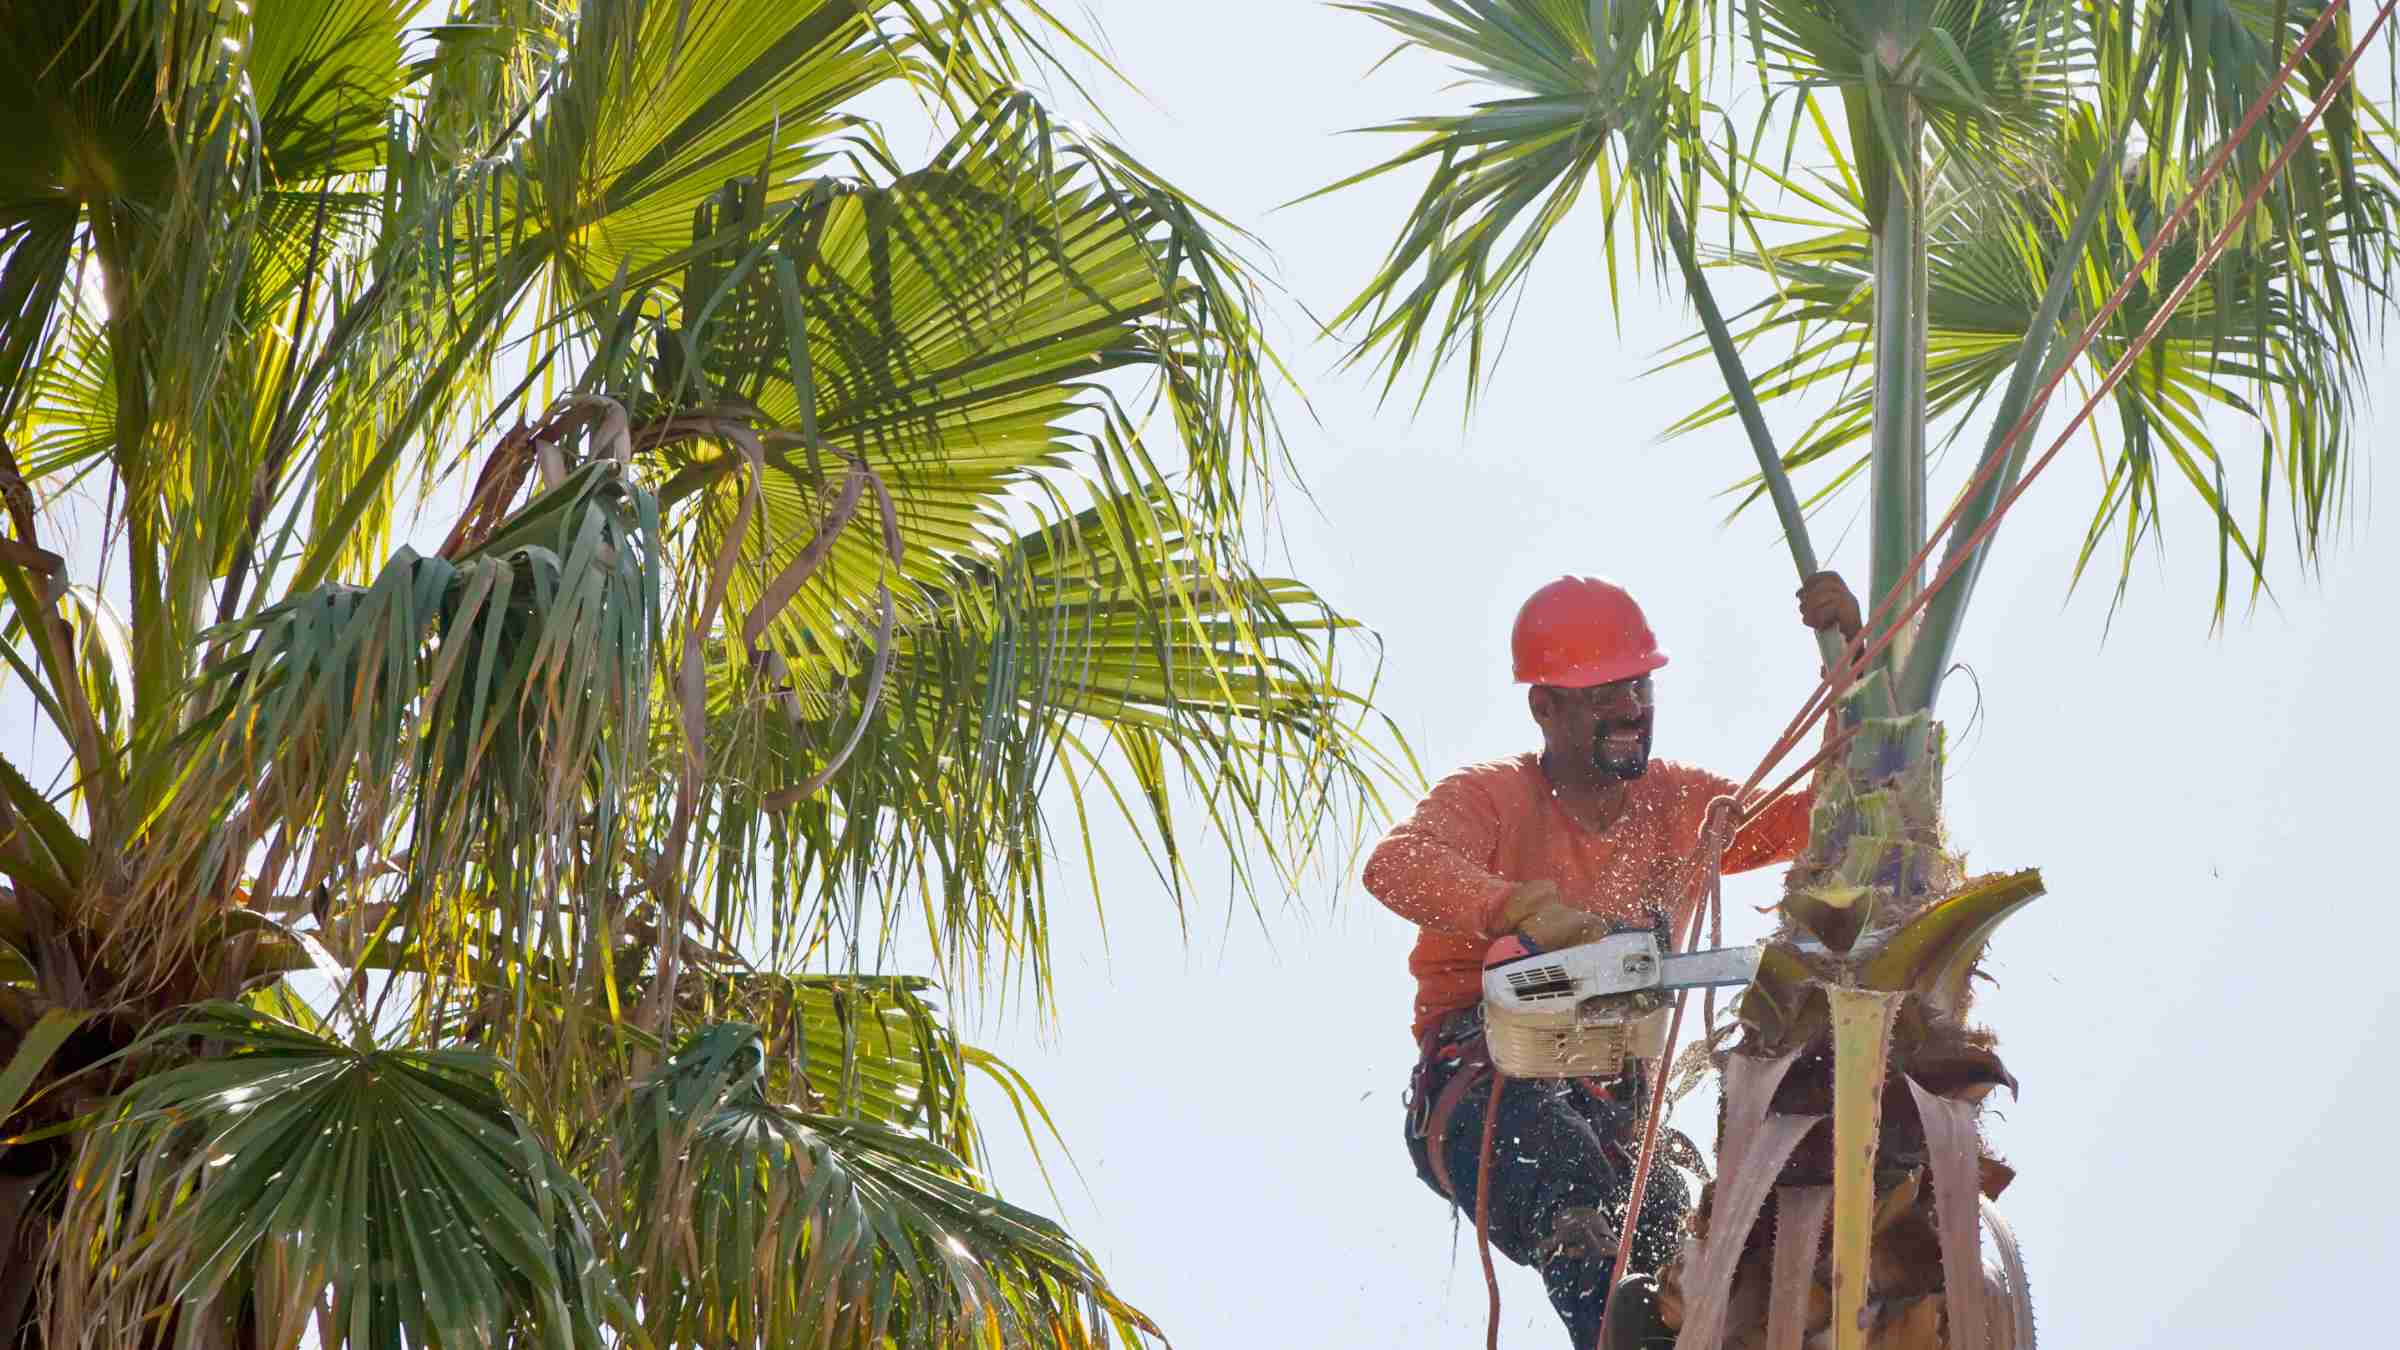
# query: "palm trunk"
{"points": [[1853, 1083], [2040, 354], [1854, 1061], [21, 1245]]}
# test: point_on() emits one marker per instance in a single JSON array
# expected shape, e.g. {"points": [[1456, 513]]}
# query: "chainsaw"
{"points": [[1582, 1011]]}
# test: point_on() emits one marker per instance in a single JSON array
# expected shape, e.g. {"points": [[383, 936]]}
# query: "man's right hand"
{"points": [[1535, 911]]}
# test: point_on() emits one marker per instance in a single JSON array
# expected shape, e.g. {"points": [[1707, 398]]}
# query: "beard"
{"points": [[1621, 748]]}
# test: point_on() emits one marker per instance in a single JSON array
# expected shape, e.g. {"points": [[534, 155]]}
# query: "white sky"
{"points": [[2199, 1010]]}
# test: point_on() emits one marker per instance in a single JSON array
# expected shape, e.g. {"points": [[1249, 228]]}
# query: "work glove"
{"points": [[1535, 912]]}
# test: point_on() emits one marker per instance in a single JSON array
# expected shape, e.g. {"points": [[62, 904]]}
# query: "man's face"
{"points": [[1609, 723]]}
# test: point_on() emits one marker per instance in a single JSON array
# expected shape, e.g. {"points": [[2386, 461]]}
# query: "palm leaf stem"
{"points": [[270, 470], [2011, 436], [153, 673], [1897, 456], [35, 598], [1754, 421]]}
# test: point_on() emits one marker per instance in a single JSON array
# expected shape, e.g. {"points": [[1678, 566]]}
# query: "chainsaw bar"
{"points": [[1624, 963]]}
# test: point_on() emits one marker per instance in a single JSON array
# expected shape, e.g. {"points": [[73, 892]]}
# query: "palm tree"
{"points": [[547, 559], [1952, 209]]}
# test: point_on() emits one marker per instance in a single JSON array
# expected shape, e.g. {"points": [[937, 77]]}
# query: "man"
{"points": [[1589, 836]]}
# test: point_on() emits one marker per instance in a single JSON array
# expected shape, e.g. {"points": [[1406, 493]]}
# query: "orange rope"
{"points": [[1713, 837], [1834, 745], [1483, 1207]]}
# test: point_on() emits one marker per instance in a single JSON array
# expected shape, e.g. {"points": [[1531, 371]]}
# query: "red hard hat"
{"points": [[1577, 632]]}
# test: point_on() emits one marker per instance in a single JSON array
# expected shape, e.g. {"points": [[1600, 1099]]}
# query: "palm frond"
{"points": [[37, 246], [920, 496], [485, 65], [1990, 81], [324, 75], [1097, 656], [289, 1183], [1597, 97], [805, 1228], [878, 1048], [475, 712], [2274, 337], [958, 326]]}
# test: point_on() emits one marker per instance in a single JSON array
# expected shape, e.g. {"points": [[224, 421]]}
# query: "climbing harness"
{"points": [[1459, 1043]]}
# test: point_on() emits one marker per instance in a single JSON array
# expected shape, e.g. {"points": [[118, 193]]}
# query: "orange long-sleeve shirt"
{"points": [[1449, 867]]}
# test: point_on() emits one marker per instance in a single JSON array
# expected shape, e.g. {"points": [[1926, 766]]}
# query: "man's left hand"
{"points": [[1826, 602], [1558, 924]]}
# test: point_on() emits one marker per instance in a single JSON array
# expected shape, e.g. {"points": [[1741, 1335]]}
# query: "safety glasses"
{"points": [[1624, 699]]}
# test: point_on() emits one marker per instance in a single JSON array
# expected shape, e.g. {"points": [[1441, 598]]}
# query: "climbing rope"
{"points": [[1715, 833], [1483, 1207]]}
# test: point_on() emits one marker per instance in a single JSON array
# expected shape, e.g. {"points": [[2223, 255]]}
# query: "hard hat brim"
{"points": [[1591, 674]]}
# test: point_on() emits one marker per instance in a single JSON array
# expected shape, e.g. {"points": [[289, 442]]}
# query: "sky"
{"points": [[2198, 1010]]}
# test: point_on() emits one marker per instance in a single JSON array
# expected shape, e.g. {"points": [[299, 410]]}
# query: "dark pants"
{"points": [[1557, 1144]]}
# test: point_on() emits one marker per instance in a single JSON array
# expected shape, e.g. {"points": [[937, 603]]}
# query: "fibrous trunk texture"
{"points": [[1880, 919]]}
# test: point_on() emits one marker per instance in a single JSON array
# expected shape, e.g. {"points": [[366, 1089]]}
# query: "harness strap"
{"points": [[1474, 1065]]}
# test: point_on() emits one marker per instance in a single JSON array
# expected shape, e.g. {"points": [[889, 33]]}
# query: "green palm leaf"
{"points": [[1101, 654], [2270, 337], [1596, 97], [485, 703], [1989, 80], [827, 1229], [959, 323], [386, 1197]]}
